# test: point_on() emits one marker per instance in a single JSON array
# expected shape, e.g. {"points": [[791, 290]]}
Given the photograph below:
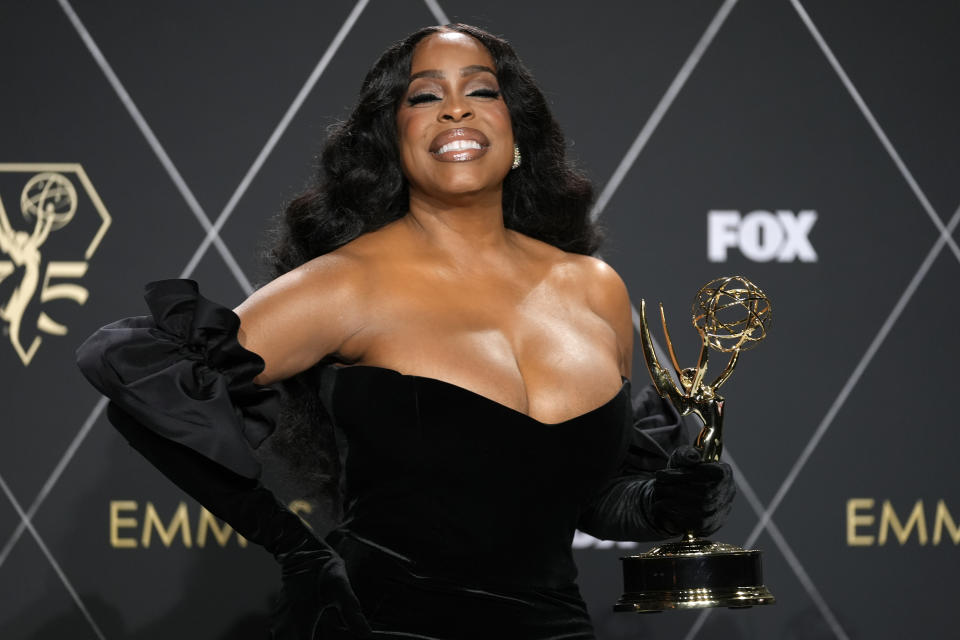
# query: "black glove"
{"points": [[689, 494], [315, 582], [315, 590]]}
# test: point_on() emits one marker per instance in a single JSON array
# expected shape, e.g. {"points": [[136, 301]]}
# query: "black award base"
{"points": [[692, 574]]}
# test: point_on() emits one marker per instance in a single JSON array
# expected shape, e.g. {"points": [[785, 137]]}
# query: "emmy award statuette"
{"points": [[731, 315]]}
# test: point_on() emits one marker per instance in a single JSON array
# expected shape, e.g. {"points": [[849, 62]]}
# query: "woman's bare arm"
{"points": [[303, 316]]}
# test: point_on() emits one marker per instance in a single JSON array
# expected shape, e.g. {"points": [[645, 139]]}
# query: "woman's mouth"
{"points": [[459, 145]]}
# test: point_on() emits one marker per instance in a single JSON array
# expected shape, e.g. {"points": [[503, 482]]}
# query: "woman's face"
{"points": [[454, 128]]}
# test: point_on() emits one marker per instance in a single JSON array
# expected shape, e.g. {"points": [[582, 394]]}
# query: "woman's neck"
{"points": [[469, 227]]}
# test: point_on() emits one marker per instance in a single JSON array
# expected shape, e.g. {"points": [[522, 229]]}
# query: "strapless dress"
{"points": [[459, 511]]}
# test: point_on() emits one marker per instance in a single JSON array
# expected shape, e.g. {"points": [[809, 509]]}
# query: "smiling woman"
{"points": [[454, 113], [435, 307]]}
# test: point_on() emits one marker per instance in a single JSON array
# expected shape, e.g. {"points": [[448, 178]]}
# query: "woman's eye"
{"points": [[485, 93], [421, 98]]}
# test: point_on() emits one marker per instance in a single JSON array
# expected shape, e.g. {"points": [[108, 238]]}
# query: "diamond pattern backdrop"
{"points": [[196, 122]]}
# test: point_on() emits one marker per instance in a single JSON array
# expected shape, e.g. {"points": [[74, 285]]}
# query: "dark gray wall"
{"points": [[166, 117]]}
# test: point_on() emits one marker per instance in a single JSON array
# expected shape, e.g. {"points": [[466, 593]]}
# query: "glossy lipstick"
{"points": [[459, 145]]}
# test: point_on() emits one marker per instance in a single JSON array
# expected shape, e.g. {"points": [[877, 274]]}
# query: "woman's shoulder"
{"points": [[348, 276], [365, 252], [605, 291], [582, 277], [349, 266], [336, 274], [596, 285], [578, 271], [595, 272], [304, 315]]}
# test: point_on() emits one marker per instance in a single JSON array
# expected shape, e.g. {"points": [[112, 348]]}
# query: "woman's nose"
{"points": [[455, 111]]}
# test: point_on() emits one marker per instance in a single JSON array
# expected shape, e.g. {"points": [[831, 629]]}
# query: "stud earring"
{"points": [[516, 156]]}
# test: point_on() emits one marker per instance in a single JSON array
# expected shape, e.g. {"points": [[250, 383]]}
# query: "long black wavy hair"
{"points": [[360, 187]]}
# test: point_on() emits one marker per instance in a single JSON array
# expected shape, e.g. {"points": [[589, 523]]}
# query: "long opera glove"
{"points": [[662, 488], [182, 393]]}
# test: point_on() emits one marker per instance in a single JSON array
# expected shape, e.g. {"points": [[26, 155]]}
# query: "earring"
{"points": [[516, 156]]}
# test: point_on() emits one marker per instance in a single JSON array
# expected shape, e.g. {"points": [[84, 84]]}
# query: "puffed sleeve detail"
{"points": [[621, 510], [182, 373]]}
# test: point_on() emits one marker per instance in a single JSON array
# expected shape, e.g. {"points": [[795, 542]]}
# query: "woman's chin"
{"points": [[462, 191]]}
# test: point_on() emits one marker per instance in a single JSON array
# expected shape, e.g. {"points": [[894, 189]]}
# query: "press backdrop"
{"points": [[812, 145]]}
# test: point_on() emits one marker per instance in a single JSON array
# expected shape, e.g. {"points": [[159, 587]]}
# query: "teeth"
{"points": [[458, 145]]}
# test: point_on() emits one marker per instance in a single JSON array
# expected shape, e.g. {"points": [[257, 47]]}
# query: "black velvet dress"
{"points": [[459, 511]]}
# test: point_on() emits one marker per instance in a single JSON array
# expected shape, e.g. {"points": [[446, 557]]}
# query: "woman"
{"points": [[481, 379]]}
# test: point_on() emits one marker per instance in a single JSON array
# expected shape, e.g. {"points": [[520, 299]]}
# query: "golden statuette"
{"points": [[731, 315]]}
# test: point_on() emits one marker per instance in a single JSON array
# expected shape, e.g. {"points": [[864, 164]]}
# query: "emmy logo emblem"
{"points": [[50, 200], [731, 315]]}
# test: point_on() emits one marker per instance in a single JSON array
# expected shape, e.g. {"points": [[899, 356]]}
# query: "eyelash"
{"points": [[422, 98]]}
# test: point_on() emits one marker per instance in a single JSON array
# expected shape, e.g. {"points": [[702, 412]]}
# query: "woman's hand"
{"points": [[691, 495], [315, 585], [316, 594]]}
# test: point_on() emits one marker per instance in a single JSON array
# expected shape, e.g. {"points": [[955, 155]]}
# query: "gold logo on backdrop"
{"points": [[141, 524], [872, 522], [45, 250]]}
